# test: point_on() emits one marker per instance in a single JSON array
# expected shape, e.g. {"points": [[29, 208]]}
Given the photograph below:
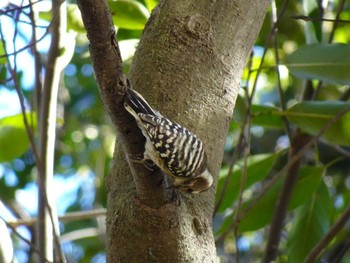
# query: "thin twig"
{"points": [[21, 7], [341, 253], [28, 242], [31, 44], [229, 173], [71, 216], [47, 132], [277, 59], [244, 173], [320, 83], [324, 242], [25, 22], [246, 130], [237, 150], [22, 103], [251, 96], [266, 44], [37, 60], [291, 161], [317, 90], [337, 20], [315, 19], [285, 195], [27, 46], [337, 148], [292, 174]]}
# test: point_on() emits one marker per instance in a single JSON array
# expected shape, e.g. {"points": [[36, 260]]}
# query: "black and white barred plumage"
{"points": [[174, 149]]}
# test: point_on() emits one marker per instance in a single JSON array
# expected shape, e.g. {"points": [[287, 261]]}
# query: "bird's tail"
{"points": [[135, 102]]}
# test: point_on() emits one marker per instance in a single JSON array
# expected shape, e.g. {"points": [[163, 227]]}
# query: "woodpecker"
{"points": [[175, 150]]}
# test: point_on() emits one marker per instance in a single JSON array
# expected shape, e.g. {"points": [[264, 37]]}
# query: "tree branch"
{"points": [[188, 65], [322, 244], [71, 216], [299, 146], [28, 242], [47, 224], [107, 62], [27, 123], [37, 60], [298, 142]]}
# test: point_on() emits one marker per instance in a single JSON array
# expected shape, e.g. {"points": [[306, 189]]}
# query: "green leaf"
{"points": [[129, 14], [150, 4], [3, 71], [311, 223], [261, 214], [125, 34], [313, 33], [265, 116], [7, 193], [326, 62], [317, 26], [312, 116], [45, 15], [74, 20], [309, 6], [3, 60], [258, 167], [13, 136]]}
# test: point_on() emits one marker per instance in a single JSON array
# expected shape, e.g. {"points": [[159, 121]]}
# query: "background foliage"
{"points": [[297, 79]]}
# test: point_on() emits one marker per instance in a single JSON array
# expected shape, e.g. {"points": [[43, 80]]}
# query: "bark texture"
{"points": [[188, 66]]}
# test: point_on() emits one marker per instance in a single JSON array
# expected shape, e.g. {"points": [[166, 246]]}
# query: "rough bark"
{"points": [[188, 66]]}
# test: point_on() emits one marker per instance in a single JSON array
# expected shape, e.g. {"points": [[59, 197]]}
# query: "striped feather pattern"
{"points": [[181, 151]]}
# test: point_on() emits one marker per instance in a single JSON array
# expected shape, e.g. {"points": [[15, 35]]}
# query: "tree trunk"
{"points": [[188, 66]]}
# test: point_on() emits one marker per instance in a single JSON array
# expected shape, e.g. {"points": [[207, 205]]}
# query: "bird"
{"points": [[178, 152]]}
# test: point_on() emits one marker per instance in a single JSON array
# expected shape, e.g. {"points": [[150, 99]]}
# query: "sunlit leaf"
{"points": [[150, 4], [309, 6], [45, 15], [13, 136], [3, 60], [312, 116], [129, 14], [74, 20], [258, 167], [326, 62], [311, 223], [261, 214]]}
